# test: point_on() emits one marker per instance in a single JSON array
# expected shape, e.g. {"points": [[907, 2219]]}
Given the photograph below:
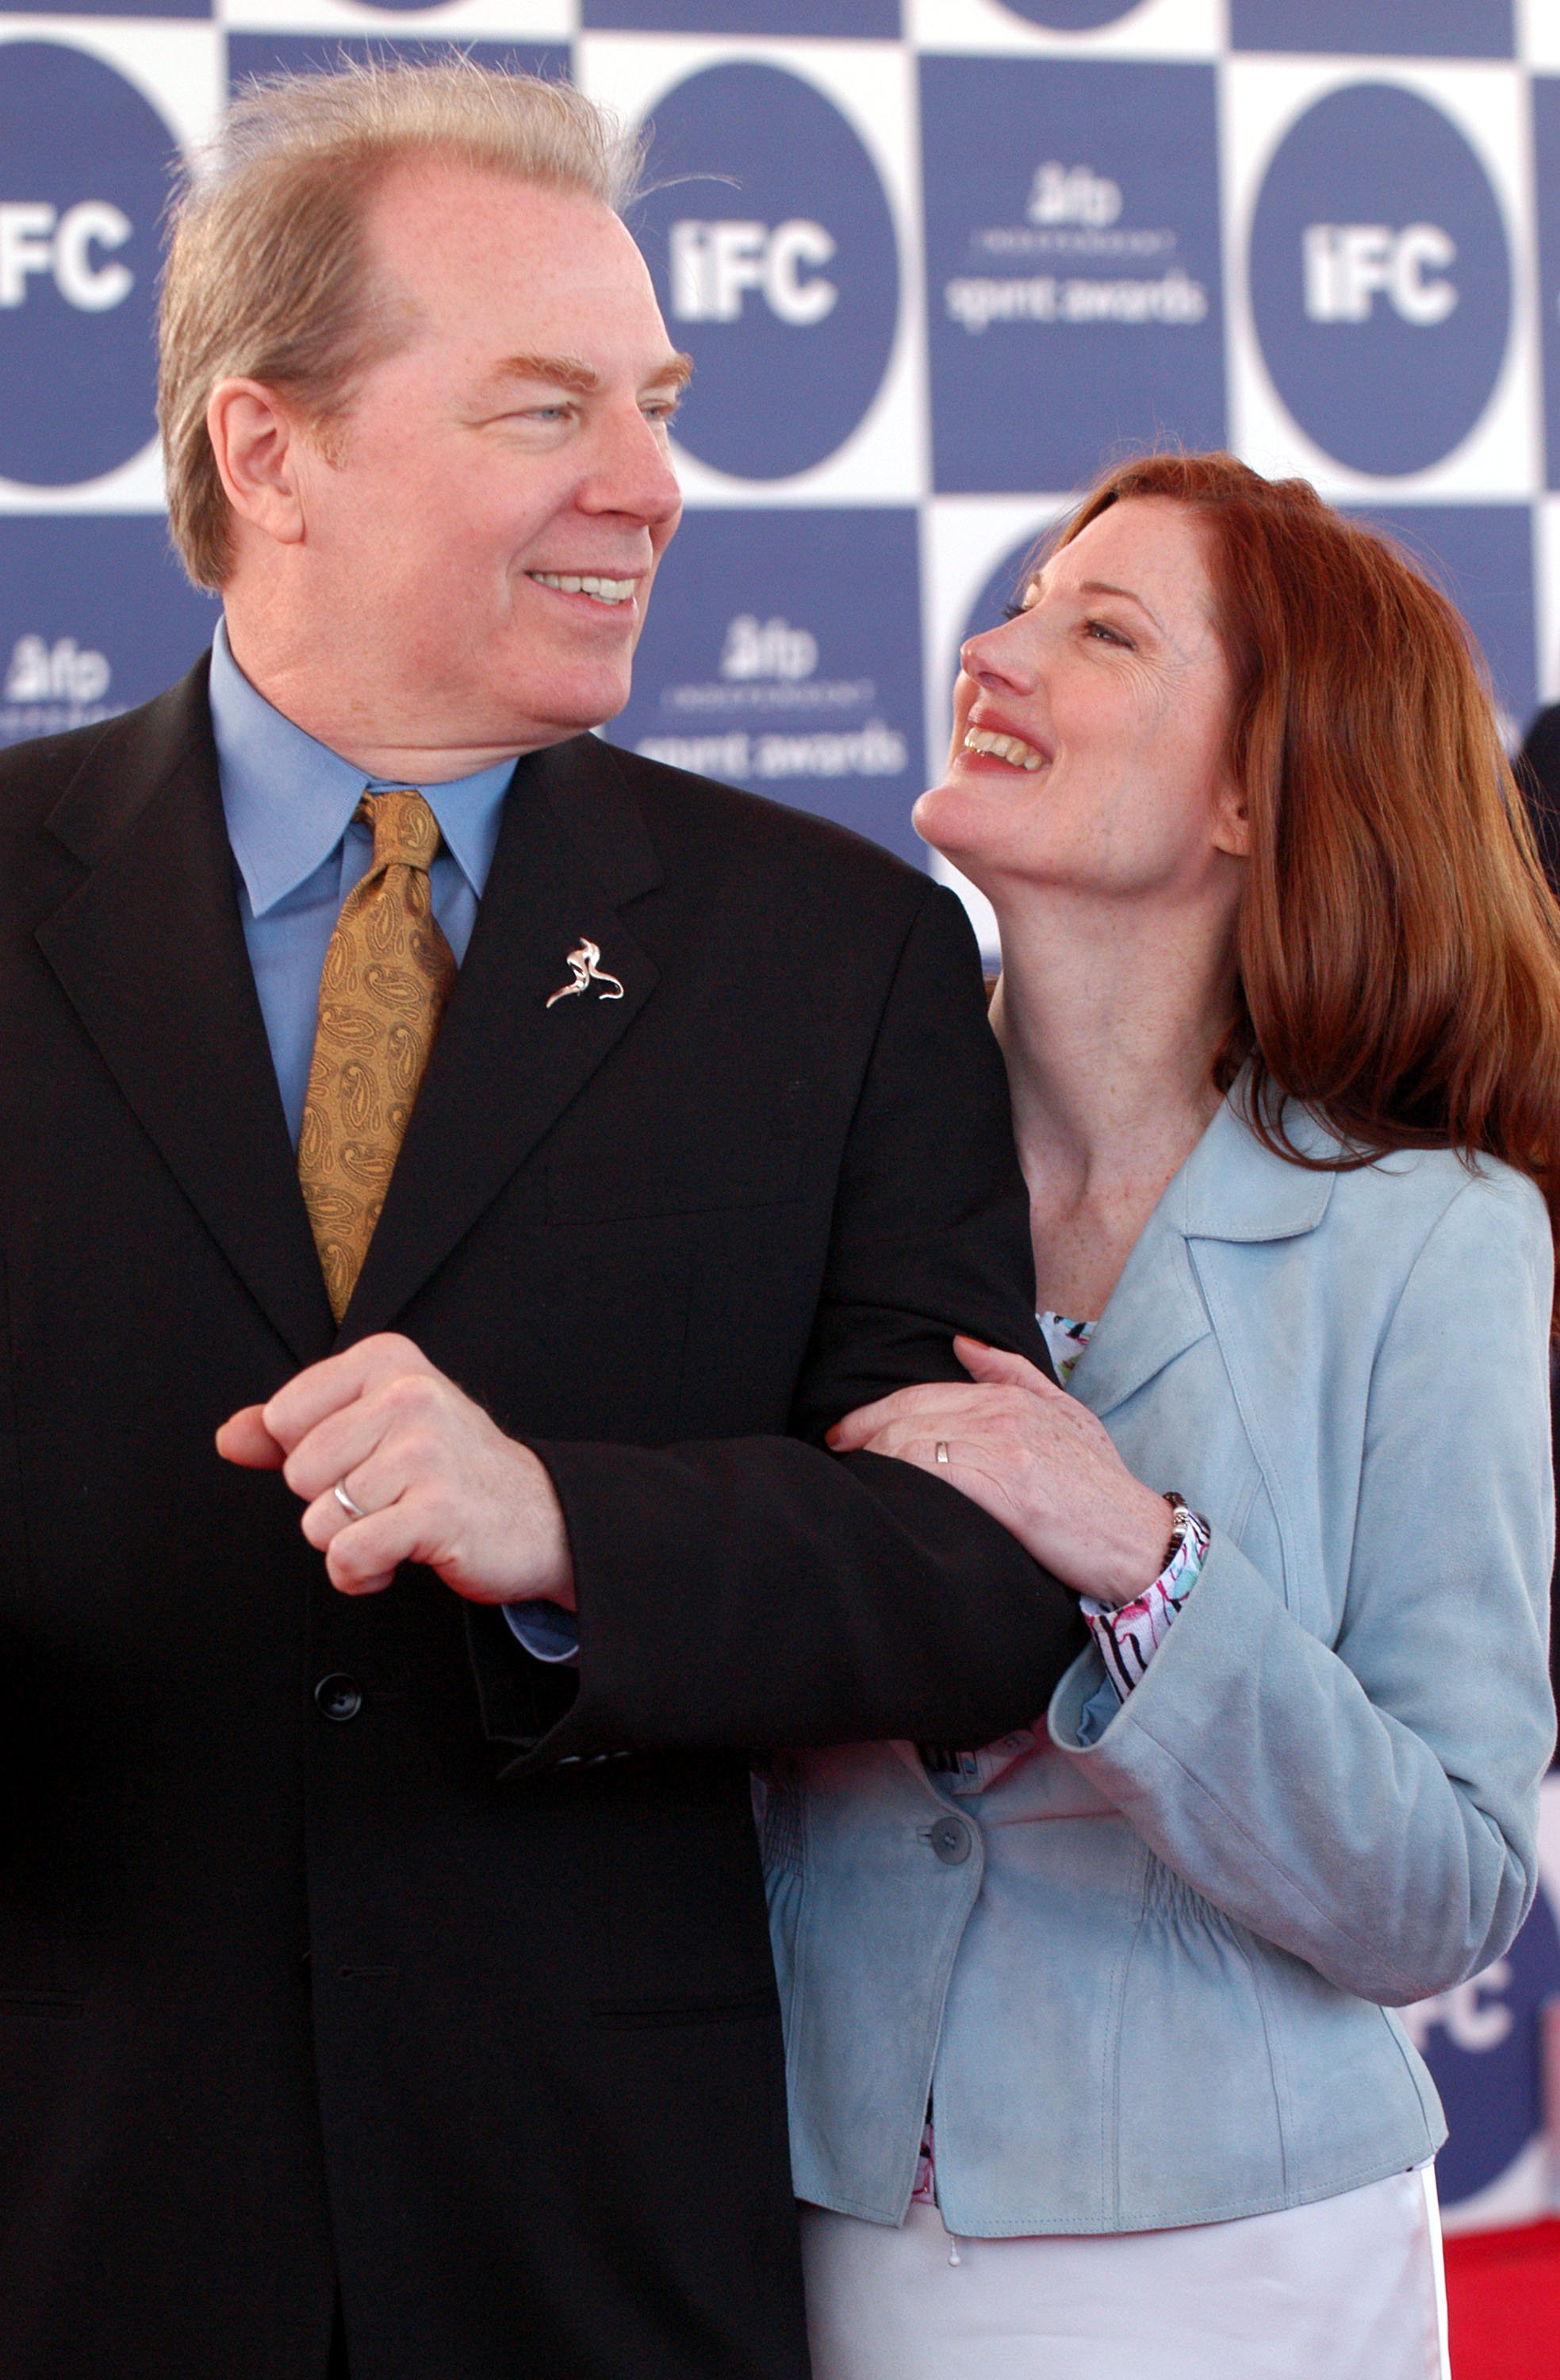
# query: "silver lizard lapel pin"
{"points": [[584, 969]]}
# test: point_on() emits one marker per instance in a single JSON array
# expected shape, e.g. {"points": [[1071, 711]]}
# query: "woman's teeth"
{"points": [[1011, 749], [606, 590]]}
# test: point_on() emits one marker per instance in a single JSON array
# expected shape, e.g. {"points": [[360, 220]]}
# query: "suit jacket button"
{"points": [[340, 1696], [950, 1841]]}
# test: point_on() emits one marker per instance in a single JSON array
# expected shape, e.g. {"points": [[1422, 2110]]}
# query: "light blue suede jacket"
{"points": [[1149, 1981]]}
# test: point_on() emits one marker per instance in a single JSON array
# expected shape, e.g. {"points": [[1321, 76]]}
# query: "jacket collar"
{"points": [[149, 950], [1229, 1188], [1232, 1187]]}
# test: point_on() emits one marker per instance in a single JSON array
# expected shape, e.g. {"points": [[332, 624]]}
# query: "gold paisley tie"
{"points": [[387, 976]]}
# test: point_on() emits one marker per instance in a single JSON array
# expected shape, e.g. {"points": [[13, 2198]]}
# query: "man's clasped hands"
{"points": [[434, 1479]]}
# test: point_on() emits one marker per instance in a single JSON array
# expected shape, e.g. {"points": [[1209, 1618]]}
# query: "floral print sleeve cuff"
{"points": [[1128, 1634]]}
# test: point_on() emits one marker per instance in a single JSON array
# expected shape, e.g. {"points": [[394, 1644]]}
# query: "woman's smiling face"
{"points": [[1091, 730]]}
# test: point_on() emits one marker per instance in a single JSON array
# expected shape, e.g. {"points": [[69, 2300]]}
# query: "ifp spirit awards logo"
{"points": [[94, 616], [782, 653], [1072, 255], [777, 267], [1381, 283], [84, 163]]}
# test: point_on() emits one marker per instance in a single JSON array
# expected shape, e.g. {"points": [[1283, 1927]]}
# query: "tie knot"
{"points": [[405, 829]]}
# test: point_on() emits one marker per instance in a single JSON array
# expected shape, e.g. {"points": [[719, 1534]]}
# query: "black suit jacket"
{"points": [[464, 1999]]}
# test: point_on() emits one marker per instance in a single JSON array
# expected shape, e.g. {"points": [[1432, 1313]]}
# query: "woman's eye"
{"points": [[1106, 634]]}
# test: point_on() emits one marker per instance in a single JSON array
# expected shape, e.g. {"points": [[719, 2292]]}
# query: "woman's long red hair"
{"points": [[1398, 946]]}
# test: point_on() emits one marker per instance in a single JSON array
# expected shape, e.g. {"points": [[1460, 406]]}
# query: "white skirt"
{"points": [[1350, 2288]]}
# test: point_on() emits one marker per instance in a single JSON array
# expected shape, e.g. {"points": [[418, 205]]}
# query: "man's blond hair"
{"points": [[269, 276]]}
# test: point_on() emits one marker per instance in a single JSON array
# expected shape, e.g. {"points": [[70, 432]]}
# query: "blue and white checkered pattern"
{"points": [[935, 261]]}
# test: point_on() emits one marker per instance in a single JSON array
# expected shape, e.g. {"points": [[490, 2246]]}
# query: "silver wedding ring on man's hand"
{"points": [[355, 1511], [940, 1450]]}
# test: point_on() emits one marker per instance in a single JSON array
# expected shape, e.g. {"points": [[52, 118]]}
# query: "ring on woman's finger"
{"points": [[941, 1451], [354, 1511]]}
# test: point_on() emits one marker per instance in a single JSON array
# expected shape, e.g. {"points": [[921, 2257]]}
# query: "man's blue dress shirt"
{"points": [[289, 802]]}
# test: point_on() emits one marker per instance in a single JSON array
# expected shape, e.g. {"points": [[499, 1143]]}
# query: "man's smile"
{"points": [[600, 590]]}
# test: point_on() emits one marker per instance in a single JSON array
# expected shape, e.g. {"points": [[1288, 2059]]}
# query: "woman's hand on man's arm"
{"points": [[1034, 1458]]}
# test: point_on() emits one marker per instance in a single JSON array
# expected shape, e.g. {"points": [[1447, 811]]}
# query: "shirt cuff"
{"points": [[1128, 1634], [545, 1630]]}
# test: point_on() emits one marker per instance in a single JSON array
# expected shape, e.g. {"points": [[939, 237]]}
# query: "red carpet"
{"points": [[1502, 2296]]}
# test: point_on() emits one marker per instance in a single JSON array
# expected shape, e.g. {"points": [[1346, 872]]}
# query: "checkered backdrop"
{"points": [[935, 261]]}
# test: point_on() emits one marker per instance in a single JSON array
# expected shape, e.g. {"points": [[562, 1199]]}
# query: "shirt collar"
{"points": [[288, 800]]}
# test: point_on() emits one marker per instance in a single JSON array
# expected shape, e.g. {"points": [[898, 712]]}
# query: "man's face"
{"points": [[518, 442]]}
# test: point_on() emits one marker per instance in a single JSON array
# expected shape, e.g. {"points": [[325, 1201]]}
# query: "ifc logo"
{"points": [[83, 178], [1381, 283], [775, 261]]}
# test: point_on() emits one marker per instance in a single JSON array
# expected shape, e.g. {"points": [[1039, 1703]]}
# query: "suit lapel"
{"points": [[572, 850], [149, 951], [1230, 1189], [1155, 1311]]}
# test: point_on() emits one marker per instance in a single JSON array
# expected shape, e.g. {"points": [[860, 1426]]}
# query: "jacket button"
{"points": [[950, 1841], [340, 1696]]}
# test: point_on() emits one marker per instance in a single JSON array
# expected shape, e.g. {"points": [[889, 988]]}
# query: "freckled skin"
{"points": [[1114, 869], [1125, 695]]}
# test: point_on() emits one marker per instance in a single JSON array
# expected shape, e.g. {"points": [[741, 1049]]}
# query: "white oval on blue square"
{"points": [[1379, 279], [86, 177], [772, 246]]}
